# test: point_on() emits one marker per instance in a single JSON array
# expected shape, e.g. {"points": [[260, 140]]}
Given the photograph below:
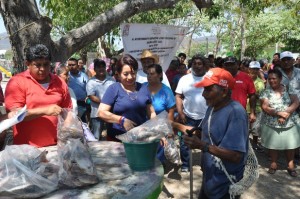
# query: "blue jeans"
{"points": [[184, 150], [96, 127], [82, 113], [161, 153]]}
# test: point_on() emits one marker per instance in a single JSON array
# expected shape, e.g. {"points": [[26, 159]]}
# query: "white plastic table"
{"points": [[117, 180]]}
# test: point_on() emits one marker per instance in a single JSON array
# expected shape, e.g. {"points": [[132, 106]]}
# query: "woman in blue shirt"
{"points": [[126, 103], [162, 98]]}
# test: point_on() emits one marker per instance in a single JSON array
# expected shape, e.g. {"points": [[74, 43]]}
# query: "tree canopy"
{"points": [[245, 27], [26, 26], [265, 23]]}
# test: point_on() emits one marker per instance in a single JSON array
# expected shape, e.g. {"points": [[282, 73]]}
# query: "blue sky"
{"points": [[2, 27]]}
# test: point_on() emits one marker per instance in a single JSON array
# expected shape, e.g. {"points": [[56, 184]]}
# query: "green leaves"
{"points": [[266, 21]]}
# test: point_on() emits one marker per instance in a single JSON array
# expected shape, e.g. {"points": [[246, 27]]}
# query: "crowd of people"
{"points": [[224, 98]]}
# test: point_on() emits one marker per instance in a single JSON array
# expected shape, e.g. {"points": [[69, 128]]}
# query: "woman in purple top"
{"points": [[126, 103]]}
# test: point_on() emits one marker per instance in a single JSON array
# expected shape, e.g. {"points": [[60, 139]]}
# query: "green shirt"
{"points": [[259, 87]]}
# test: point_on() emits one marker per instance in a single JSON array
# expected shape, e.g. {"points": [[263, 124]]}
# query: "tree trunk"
{"points": [[190, 41], [27, 27], [219, 37], [243, 29]]}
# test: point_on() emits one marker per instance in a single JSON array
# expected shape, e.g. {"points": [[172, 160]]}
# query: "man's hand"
{"points": [[13, 113], [252, 117], [182, 118], [53, 110], [193, 142]]}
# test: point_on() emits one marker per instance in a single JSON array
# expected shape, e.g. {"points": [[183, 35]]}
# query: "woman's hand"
{"points": [[128, 124], [281, 120], [284, 114]]}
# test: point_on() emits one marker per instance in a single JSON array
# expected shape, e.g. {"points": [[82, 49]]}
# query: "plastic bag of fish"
{"points": [[154, 129], [26, 173], [171, 152], [76, 165]]}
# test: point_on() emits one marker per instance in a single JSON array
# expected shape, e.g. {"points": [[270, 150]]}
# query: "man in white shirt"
{"points": [[190, 103], [147, 59]]}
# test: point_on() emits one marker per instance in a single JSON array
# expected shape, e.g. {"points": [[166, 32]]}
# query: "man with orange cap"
{"points": [[224, 135]]}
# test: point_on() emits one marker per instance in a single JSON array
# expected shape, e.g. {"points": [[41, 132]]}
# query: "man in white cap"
{"points": [[147, 59], [290, 77], [259, 85]]}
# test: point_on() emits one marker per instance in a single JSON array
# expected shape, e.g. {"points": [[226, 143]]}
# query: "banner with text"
{"points": [[163, 40]]}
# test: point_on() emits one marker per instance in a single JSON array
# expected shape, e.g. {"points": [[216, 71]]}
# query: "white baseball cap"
{"points": [[286, 54], [254, 64]]}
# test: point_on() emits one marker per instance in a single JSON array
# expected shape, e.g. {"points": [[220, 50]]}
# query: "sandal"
{"points": [[272, 170], [292, 172]]}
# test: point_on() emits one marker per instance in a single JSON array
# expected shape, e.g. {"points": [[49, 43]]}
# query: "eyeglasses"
{"points": [[72, 64]]}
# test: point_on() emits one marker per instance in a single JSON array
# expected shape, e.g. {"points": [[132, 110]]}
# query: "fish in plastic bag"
{"points": [[154, 129], [172, 152], [76, 165], [26, 173]]}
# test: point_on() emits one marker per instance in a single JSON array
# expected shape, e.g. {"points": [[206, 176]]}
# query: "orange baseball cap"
{"points": [[217, 76]]}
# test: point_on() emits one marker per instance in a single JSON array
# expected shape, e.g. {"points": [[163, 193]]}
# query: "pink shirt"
{"points": [[23, 89], [243, 87]]}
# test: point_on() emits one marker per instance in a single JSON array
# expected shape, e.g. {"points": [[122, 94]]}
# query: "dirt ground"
{"points": [[277, 186]]}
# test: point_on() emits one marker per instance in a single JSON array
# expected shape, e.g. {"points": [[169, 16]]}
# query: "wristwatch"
{"points": [[205, 147]]}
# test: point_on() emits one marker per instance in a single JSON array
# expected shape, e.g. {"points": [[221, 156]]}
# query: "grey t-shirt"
{"points": [[97, 88]]}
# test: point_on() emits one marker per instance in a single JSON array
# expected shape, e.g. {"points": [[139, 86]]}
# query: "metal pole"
{"points": [[190, 133], [191, 173]]}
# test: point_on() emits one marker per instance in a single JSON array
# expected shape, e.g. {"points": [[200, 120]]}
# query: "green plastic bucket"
{"points": [[141, 156]]}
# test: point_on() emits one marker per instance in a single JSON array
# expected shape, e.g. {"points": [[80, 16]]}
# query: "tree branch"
{"points": [[78, 38], [200, 4]]}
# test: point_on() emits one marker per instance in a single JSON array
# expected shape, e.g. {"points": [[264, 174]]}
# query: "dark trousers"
{"points": [[184, 150], [87, 109], [226, 196]]}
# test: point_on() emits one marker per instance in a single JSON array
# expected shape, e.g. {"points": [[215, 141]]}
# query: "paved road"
{"points": [[277, 186]]}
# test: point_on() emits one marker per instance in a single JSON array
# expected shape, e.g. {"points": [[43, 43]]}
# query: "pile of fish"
{"points": [[26, 173], [76, 166]]}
